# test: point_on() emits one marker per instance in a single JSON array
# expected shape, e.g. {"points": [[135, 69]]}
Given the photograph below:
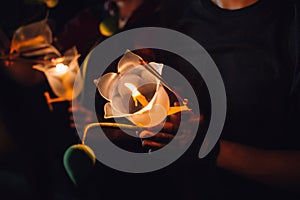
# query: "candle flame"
{"points": [[136, 95], [61, 68], [133, 89]]}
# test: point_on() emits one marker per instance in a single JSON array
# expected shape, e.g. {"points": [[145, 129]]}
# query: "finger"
{"points": [[186, 115], [156, 136], [152, 144], [170, 127], [198, 118], [73, 105], [146, 134], [176, 103], [76, 108], [157, 128], [175, 119], [162, 137], [70, 109], [72, 125], [79, 116]]}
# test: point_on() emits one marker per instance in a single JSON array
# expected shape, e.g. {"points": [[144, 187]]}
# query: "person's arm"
{"points": [[275, 168]]}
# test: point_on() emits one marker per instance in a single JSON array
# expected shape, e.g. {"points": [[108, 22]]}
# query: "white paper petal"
{"points": [[157, 66], [40, 50], [106, 84], [142, 120], [148, 77], [110, 112], [128, 61], [57, 85], [37, 34], [120, 104]]}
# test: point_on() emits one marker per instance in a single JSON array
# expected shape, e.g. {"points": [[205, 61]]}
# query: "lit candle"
{"points": [[136, 95]]}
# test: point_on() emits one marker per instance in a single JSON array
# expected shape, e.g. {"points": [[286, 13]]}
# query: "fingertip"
{"points": [[146, 134], [176, 103], [72, 125], [143, 143], [70, 109], [142, 134], [157, 127]]}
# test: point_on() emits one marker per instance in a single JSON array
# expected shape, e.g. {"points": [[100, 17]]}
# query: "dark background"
{"points": [[15, 13]]}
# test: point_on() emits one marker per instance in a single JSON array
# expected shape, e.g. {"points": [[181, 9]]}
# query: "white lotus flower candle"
{"points": [[32, 43], [61, 74], [135, 92]]}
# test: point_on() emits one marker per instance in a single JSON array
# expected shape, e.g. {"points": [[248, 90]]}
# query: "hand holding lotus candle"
{"points": [[135, 93], [32, 44]]}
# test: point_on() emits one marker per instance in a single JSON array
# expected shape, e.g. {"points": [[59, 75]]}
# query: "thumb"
{"points": [[176, 118]]}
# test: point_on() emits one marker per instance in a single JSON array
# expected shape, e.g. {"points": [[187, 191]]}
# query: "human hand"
{"points": [[83, 116], [159, 136]]}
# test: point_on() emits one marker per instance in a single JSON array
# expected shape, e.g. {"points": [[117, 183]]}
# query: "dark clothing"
{"points": [[254, 50], [85, 32]]}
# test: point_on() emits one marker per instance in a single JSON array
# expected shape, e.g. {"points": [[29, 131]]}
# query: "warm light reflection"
{"points": [[136, 95], [61, 68]]}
